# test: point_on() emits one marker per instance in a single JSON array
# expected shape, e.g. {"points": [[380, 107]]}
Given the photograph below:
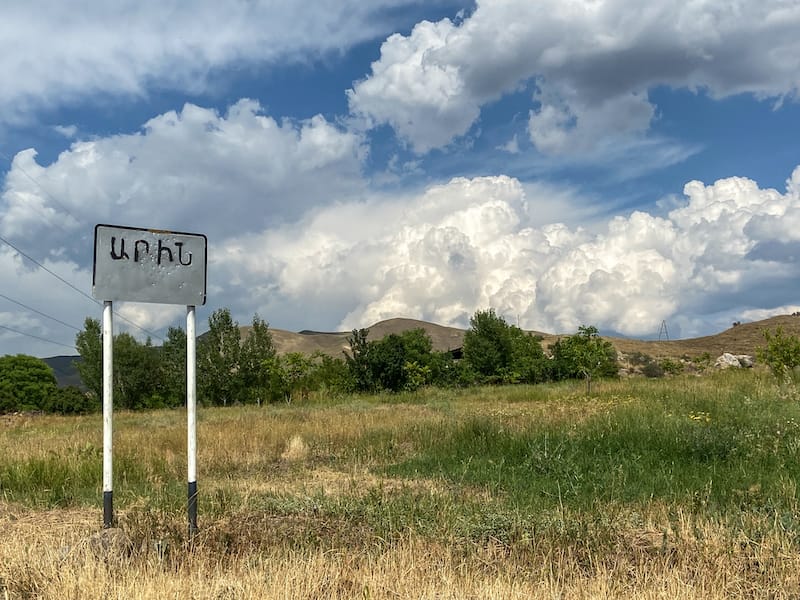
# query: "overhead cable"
{"points": [[81, 292], [66, 210], [38, 312], [36, 337]]}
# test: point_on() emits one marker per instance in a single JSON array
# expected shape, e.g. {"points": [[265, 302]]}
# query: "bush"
{"points": [[653, 369], [501, 353], [26, 383], [639, 359], [72, 401], [584, 355], [702, 361], [782, 352], [397, 362], [673, 367]]}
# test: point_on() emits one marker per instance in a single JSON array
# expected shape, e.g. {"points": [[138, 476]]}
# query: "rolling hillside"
{"points": [[742, 339]]}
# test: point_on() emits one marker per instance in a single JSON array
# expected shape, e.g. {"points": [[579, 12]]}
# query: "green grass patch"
{"points": [[717, 451]]}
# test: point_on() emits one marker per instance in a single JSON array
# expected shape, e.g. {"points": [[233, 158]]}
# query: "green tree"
{"points": [[137, 381], [387, 359], [391, 362], [487, 344], [497, 351], [218, 353], [332, 375], [139, 377], [418, 346], [358, 361], [584, 355], [299, 374], [781, 354], [90, 346], [529, 364], [26, 383], [276, 385], [172, 368], [258, 353]]}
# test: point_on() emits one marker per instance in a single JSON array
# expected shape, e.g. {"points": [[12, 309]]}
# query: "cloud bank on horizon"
{"points": [[584, 162]]}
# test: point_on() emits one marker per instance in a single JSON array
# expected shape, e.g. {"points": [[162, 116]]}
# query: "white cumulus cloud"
{"points": [[474, 243], [592, 63], [192, 170]]}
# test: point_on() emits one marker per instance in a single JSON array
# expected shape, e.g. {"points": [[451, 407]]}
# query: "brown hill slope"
{"points": [[741, 339], [308, 342]]}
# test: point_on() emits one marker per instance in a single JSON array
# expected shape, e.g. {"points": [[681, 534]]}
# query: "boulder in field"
{"points": [[731, 361]]}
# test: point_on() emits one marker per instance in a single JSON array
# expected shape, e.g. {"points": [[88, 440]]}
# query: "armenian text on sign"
{"points": [[149, 265]]}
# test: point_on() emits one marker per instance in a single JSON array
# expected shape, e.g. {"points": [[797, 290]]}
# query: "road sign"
{"points": [[149, 265]]}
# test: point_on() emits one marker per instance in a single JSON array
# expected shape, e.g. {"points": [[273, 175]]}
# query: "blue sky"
{"points": [[566, 163]]}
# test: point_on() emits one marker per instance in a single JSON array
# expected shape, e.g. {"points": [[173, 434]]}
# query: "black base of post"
{"points": [[108, 509], [192, 508]]}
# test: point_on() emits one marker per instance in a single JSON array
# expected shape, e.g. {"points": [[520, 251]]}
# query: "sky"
{"points": [[565, 162]]}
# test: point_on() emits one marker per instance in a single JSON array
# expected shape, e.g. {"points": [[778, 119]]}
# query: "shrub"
{"points": [[498, 352], [673, 367], [639, 359], [584, 355], [653, 369], [703, 361], [71, 401], [26, 383], [782, 352]]}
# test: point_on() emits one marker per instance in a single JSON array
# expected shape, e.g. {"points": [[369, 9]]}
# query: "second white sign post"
{"points": [[149, 265]]}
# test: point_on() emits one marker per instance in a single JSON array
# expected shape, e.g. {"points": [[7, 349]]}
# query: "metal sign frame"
{"points": [[156, 265], [154, 247]]}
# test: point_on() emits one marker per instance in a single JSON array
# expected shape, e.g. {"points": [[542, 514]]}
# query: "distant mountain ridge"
{"points": [[65, 370], [739, 339]]}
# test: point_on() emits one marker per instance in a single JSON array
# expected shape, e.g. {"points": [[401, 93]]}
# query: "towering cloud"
{"points": [[469, 244]]}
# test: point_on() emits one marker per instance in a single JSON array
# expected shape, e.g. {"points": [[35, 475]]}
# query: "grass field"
{"points": [[674, 488]]}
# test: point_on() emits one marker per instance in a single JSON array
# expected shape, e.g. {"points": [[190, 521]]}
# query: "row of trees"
{"points": [[235, 371]]}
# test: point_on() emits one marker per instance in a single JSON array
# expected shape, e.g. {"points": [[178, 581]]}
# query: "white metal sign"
{"points": [[149, 265]]}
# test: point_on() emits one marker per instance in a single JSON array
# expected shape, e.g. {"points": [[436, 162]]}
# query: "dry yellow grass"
{"points": [[300, 453], [52, 555]]}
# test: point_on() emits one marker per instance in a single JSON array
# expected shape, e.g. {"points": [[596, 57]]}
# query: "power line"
{"points": [[41, 266], [81, 292], [66, 210], [38, 312], [36, 337]]}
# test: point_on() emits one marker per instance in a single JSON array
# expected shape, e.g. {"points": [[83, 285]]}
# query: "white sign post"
{"points": [[149, 265]]}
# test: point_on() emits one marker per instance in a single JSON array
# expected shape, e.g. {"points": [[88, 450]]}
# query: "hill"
{"points": [[308, 342], [64, 370], [741, 339]]}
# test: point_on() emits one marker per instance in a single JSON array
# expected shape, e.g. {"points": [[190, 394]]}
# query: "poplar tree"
{"points": [[218, 354]]}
